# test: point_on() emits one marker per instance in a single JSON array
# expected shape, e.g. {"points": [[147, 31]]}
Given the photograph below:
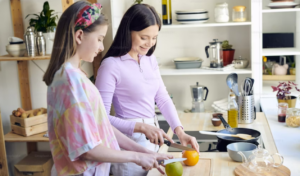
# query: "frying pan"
{"points": [[228, 130]]}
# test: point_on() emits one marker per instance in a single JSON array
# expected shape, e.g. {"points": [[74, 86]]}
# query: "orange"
{"points": [[174, 169], [192, 158]]}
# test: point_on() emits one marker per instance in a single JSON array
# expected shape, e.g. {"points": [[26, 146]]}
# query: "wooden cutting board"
{"points": [[240, 170], [203, 168]]}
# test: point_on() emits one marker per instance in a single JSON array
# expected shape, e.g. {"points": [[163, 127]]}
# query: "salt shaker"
{"points": [[221, 13], [41, 44]]}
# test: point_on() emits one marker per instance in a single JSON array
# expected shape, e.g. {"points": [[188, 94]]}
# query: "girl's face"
{"points": [[90, 44], [143, 40]]}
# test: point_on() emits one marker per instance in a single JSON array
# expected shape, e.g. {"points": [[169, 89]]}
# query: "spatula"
{"points": [[242, 136]]}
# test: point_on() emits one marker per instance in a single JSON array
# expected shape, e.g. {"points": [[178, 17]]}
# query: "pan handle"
{"points": [[226, 125]]}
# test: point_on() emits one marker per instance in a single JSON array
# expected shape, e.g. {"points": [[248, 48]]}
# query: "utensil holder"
{"points": [[247, 111]]}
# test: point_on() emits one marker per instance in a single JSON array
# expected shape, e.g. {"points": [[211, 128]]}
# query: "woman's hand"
{"points": [[186, 139], [149, 160], [154, 134]]}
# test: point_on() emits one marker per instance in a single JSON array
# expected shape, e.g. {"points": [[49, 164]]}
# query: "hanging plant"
{"points": [[44, 20]]}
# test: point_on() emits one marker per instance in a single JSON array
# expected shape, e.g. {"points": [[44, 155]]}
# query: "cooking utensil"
{"points": [[252, 83], [198, 97], [165, 162], [245, 148], [178, 146], [232, 83], [242, 136], [223, 141]]}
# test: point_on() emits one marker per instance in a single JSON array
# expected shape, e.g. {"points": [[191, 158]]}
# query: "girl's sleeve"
{"points": [[106, 81], [76, 128]]}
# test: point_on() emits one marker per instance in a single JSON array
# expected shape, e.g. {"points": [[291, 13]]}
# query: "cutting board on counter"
{"points": [[240, 170], [203, 168]]}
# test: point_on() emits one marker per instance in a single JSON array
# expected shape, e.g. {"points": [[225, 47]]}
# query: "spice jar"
{"points": [[221, 13], [282, 108], [239, 14], [293, 117]]}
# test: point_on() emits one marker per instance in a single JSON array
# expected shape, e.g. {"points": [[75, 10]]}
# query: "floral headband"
{"points": [[87, 16]]}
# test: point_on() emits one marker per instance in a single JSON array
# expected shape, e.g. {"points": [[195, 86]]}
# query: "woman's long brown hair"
{"points": [[64, 45]]}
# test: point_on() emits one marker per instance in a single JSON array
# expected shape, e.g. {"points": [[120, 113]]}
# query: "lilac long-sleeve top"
{"points": [[133, 89]]}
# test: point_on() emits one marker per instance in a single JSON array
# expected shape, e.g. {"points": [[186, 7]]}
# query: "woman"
{"points": [[129, 78], [82, 140]]}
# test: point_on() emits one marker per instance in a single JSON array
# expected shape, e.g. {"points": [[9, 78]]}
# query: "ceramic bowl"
{"points": [[244, 147]]}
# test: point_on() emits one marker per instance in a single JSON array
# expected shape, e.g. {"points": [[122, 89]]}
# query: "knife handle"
{"points": [[160, 161], [168, 143]]}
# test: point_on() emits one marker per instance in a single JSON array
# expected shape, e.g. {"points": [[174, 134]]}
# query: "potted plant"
{"points": [[138, 1], [283, 91], [43, 22], [228, 53], [292, 65]]}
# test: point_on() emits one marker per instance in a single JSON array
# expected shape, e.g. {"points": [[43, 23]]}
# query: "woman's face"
{"points": [[143, 40], [91, 44]]}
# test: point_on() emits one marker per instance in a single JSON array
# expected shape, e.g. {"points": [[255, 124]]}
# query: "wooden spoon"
{"points": [[242, 136]]}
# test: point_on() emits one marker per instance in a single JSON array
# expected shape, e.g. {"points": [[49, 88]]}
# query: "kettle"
{"points": [[260, 161], [215, 54], [197, 92]]}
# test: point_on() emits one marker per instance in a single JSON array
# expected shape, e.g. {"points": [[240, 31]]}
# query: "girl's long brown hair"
{"points": [[64, 45]]}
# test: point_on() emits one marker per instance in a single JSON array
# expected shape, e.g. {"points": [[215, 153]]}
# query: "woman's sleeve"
{"points": [[163, 100], [106, 81]]}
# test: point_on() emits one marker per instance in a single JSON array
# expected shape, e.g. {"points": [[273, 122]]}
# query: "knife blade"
{"points": [[178, 146], [165, 162]]}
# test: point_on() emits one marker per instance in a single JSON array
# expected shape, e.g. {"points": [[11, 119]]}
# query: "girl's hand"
{"points": [[186, 139], [155, 135], [146, 161]]}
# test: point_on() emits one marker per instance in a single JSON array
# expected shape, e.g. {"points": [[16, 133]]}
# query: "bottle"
{"points": [[166, 12], [232, 112], [41, 44], [30, 41]]}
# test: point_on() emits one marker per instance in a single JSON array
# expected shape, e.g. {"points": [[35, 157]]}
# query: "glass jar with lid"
{"points": [[239, 14], [293, 117], [221, 13]]}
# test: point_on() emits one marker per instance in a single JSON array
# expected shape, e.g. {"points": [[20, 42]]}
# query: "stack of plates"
{"points": [[282, 4], [187, 62], [192, 16]]}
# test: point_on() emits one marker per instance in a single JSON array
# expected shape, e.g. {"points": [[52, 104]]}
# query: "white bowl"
{"points": [[16, 52], [192, 16], [16, 46]]}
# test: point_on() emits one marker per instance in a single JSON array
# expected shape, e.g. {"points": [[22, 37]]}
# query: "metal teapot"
{"points": [[260, 161]]}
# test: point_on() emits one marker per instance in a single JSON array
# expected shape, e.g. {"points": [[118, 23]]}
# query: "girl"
{"points": [[82, 140], [129, 78]]}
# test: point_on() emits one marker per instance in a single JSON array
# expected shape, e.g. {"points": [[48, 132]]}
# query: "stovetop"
{"points": [[207, 143]]}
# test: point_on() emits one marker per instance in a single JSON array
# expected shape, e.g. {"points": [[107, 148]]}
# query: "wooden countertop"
{"points": [[221, 163]]}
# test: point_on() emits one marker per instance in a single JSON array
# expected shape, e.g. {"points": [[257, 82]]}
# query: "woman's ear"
{"points": [[78, 36]]}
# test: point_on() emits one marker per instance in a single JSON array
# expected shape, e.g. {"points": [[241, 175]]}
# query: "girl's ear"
{"points": [[78, 36]]}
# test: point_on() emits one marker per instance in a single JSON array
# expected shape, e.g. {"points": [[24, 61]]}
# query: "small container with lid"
{"points": [[293, 117], [282, 108], [221, 13], [239, 14]]}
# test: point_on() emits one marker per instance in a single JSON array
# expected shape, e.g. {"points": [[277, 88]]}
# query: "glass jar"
{"points": [[239, 14], [293, 117], [282, 108], [221, 13]]}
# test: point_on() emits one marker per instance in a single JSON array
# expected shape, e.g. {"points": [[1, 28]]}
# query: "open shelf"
{"points": [[279, 77], [12, 137], [280, 10], [9, 58], [280, 51], [172, 71], [178, 25]]}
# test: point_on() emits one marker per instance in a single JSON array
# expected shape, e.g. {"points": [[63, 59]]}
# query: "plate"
{"points": [[196, 21], [282, 4], [282, 7], [194, 11]]}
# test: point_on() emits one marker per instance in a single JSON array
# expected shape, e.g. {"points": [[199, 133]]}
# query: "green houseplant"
{"points": [[138, 1], [45, 19], [228, 53]]}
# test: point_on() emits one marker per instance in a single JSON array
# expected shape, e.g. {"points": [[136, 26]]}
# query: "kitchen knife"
{"points": [[175, 145], [165, 162], [178, 146]]}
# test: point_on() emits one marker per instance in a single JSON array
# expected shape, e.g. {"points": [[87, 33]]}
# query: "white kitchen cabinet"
{"points": [[281, 21]]}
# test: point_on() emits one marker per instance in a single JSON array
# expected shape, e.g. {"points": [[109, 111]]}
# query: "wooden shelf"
{"points": [[9, 58], [12, 137], [280, 51], [279, 77], [280, 10], [178, 25], [172, 71]]}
